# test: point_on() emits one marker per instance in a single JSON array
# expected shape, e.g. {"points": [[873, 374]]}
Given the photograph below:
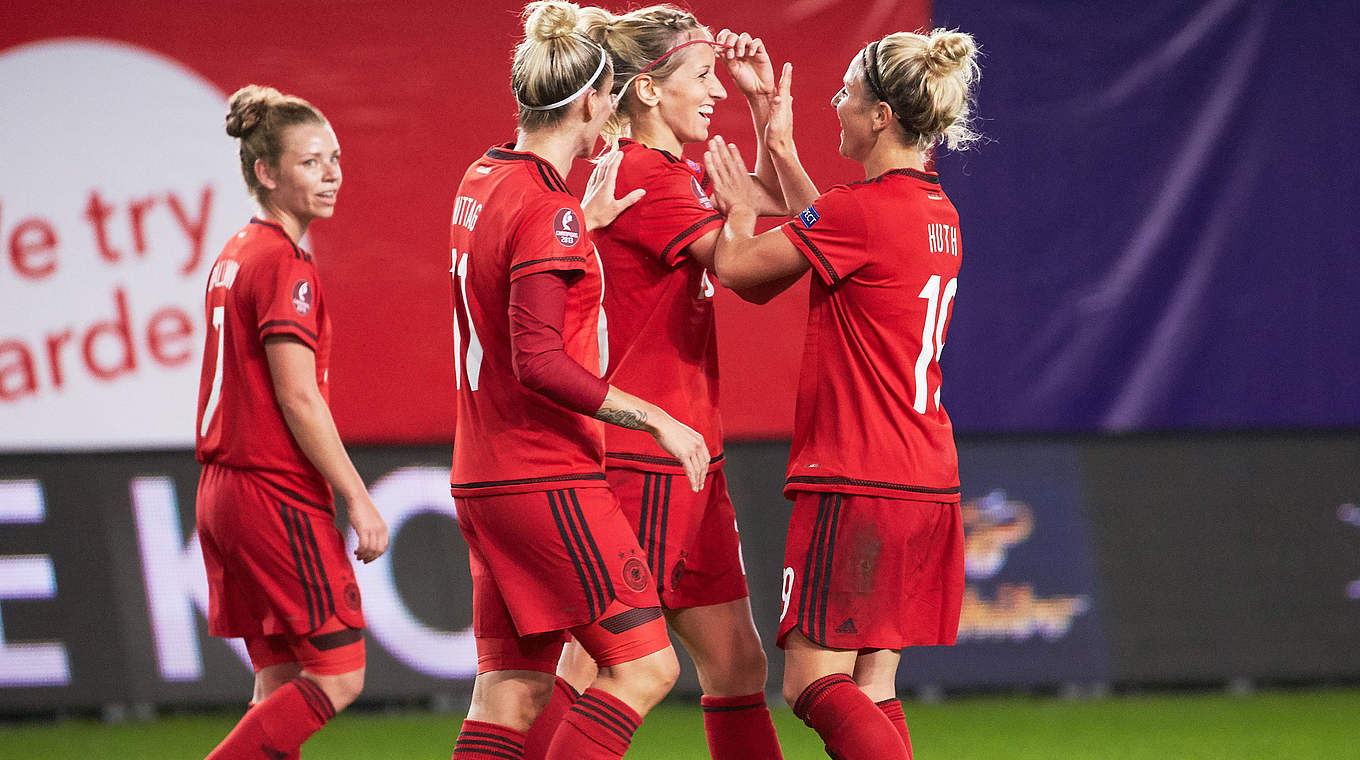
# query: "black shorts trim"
{"points": [[817, 569], [650, 459], [655, 518], [527, 481], [311, 571], [328, 641], [836, 480], [585, 555]]}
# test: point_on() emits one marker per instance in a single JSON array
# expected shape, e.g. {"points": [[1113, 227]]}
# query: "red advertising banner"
{"points": [[118, 186]]}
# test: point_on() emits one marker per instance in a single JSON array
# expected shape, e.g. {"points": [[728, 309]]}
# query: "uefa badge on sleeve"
{"points": [[699, 194], [302, 297], [567, 227]]}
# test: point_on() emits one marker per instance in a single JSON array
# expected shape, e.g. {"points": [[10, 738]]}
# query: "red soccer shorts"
{"points": [[690, 539], [274, 567], [867, 572], [550, 561], [332, 649]]}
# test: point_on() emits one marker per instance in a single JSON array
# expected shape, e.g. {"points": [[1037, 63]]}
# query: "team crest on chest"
{"points": [[567, 227], [303, 296]]}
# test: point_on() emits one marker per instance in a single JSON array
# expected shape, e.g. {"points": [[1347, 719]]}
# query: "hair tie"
{"points": [[871, 71], [603, 58]]}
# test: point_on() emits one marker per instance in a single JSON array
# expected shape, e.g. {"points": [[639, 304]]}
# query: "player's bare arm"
{"points": [[292, 368], [748, 63], [741, 258], [674, 437], [797, 187]]}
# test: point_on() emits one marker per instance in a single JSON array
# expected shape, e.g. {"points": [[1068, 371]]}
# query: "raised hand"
{"points": [[747, 63], [779, 130], [732, 185], [599, 205]]}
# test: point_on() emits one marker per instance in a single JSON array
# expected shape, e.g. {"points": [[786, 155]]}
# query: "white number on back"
{"points": [[938, 302], [474, 351], [215, 395]]}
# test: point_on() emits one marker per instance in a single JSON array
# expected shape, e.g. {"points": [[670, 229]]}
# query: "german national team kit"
{"points": [[549, 548], [875, 550], [276, 562], [663, 347]]}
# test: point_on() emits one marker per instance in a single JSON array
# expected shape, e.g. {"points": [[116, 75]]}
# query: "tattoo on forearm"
{"points": [[633, 419]]}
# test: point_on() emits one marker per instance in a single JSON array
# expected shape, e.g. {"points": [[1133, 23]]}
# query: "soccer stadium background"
{"points": [[1152, 368]]}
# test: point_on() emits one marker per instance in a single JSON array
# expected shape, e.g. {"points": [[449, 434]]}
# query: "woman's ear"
{"points": [[648, 90], [265, 175], [883, 116]]}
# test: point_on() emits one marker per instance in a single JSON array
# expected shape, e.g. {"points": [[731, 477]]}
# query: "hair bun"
{"points": [[247, 108], [550, 20], [948, 51]]}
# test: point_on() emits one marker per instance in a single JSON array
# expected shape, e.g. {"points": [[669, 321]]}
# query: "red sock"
{"points": [[739, 728], [598, 727], [541, 732], [478, 740], [276, 728], [893, 709], [849, 722]]}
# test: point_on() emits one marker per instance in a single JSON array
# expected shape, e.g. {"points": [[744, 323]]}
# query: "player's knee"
{"points": [[741, 668], [342, 689], [793, 688], [657, 672], [645, 681]]}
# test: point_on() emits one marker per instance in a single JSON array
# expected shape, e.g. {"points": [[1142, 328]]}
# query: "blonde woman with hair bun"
{"points": [[874, 555], [551, 554], [659, 296]]}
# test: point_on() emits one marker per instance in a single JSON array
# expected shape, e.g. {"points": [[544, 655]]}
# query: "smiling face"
{"points": [[306, 181], [855, 110], [686, 97]]}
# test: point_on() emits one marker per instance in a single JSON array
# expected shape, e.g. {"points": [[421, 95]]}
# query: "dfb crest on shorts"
{"points": [[635, 574], [352, 599], [302, 297], [567, 227]]}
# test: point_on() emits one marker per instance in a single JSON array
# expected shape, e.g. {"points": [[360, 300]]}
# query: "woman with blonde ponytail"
{"points": [[874, 556], [551, 555]]}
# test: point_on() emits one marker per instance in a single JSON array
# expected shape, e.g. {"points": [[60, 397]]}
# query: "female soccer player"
{"points": [[277, 571], [549, 548], [874, 558], [663, 346]]}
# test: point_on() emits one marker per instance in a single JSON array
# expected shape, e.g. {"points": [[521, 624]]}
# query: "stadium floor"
{"points": [[1312, 723]]}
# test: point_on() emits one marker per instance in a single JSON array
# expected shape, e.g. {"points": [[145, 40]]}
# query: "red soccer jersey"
{"points": [[262, 284], [869, 418], [513, 217], [659, 303]]}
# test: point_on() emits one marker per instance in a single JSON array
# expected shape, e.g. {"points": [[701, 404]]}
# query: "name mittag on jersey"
{"points": [[809, 216]]}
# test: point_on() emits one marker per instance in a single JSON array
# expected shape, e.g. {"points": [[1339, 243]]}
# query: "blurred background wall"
{"points": [[1152, 365]]}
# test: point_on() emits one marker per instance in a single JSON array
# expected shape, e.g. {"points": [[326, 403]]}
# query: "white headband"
{"points": [[589, 82]]}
